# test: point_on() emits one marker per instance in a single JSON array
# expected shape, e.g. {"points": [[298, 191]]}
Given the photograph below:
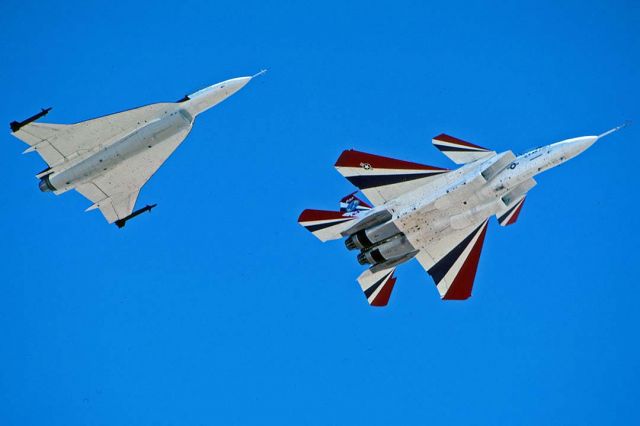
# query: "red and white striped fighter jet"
{"points": [[439, 216]]}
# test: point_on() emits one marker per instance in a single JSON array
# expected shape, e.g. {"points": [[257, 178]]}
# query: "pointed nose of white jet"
{"points": [[571, 147], [209, 97], [581, 144], [235, 84]]}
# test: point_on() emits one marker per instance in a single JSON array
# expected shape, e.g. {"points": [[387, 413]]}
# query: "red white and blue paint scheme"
{"points": [[108, 159], [437, 215]]}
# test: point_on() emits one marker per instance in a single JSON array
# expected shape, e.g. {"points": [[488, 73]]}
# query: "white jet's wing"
{"points": [[459, 151], [116, 191], [452, 259], [57, 143], [114, 207], [381, 178]]}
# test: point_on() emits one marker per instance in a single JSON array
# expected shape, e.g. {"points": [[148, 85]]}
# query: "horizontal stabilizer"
{"points": [[459, 151], [377, 286], [324, 224], [510, 214], [383, 178]]}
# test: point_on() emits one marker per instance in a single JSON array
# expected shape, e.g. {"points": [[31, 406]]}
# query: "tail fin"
{"points": [[326, 225], [351, 203]]}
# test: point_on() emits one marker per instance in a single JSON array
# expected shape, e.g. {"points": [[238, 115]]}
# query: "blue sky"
{"points": [[218, 308]]}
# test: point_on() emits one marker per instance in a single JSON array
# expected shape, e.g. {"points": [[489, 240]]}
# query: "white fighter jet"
{"points": [[108, 159], [436, 215]]}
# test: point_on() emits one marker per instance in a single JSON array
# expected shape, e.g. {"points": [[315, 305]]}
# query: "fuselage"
{"points": [[465, 192], [537, 161], [457, 200], [109, 156], [172, 118]]}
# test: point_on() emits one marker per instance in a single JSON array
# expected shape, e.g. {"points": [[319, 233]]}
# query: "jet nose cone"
{"points": [[572, 147], [208, 97], [45, 184], [235, 84], [584, 142]]}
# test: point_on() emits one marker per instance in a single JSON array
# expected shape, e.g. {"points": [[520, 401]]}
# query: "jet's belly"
{"points": [[460, 199], [128, 147], [450, 211]]}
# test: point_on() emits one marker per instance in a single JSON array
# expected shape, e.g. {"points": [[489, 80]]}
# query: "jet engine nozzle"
{"points": [[349, 243], [358, 240], [394, 248], [371, 236], [45, 184]]}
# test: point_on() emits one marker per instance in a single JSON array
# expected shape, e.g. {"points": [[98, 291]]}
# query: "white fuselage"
{"points": [[108, 157], [464, 196], [173, 119], [537, 161]]}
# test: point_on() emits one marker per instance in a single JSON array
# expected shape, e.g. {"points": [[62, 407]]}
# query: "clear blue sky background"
{"points": [[218, 308]]}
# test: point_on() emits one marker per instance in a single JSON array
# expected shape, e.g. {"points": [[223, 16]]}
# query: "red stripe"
{"points": [[450, 139], [516, 214], [352, 158], [313, 215], [462, 284], [385, 293]]}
